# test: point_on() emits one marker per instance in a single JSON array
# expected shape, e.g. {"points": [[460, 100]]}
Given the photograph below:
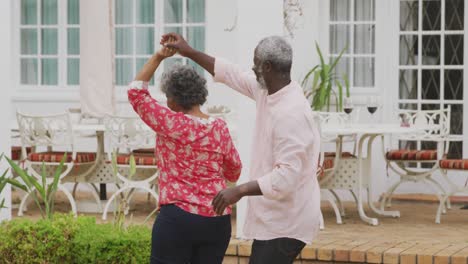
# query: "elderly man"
{"points": [[284, 197]]}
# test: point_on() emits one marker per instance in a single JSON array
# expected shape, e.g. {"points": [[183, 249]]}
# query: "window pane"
{"points": [[49, 12], [28, 71], [177, 30], [409, 50], [139, 64], [431, 12], [73, 41], [124, 41], [123, 12], [409, 15], [342, 67], [339, 38], [123, 71], [454, 49], [168, 63], [196, 11], [456, 9], [431, 50], [453, 85], [73, 71], [363, 72], [408, 80], [364, 39], [28, 41], [173, 11], [28, 12], [364, 10], [340, 10], [73, 11], [145, 11], [145, 40], [430, 81], [49, 71], [456, 119], [197, 67], [49, 42], [196, 37]]}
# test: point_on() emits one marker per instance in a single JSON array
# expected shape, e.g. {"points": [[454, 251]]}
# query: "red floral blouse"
{"points": [[195, 156]]}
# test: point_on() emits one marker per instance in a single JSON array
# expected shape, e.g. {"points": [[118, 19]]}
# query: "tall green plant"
{"points": [[4, 180], [119, 214], [41, 190], [320, 81]]}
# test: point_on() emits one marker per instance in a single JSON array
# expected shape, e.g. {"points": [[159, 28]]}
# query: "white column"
{"points": [[5, 98]]}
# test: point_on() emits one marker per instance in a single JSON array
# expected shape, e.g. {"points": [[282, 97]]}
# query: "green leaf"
{"points": [[306, 78], [340, 96], [346, 81], [114, 163], [17, 184], [335, 62], [21, 173], [43, 177], [132, 166]]}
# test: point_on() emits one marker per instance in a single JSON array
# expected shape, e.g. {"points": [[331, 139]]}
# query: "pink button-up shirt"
{"points": [[285, 154]]}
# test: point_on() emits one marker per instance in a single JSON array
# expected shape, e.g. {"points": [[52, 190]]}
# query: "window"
{"points": [[49, 42], [139, 25], [431, 61], [352, 27]]}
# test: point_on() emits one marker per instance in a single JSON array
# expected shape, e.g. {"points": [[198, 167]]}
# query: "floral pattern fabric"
{"points": [[195, 157]]}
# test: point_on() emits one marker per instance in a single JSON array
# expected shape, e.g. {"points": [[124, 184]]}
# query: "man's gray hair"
{"points": [[277, 51]]}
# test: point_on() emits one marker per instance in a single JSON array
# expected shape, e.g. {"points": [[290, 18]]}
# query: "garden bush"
{"points": [[72, 240]]}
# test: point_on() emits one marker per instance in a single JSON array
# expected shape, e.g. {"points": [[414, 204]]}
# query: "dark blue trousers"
{"points": [[180, 237]]}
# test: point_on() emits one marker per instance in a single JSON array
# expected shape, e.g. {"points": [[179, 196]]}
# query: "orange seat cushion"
{"points": [[81, 157], [329, 162], [454, 164], [417, 155], [140, 159], [146, 151], [16, 152]]}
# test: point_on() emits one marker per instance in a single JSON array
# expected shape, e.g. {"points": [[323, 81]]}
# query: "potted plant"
{"points": [[322, 82]]}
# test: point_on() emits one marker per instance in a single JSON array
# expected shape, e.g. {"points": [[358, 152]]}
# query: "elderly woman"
{"points": [[196, 156]]}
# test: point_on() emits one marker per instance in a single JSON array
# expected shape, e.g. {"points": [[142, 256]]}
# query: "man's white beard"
{"points": [[262, 83]]}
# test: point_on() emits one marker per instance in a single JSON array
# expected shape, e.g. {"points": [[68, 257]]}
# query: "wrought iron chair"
{"points": [[126, 137], [54, 135], [434, 127], [331, 163], [446, 166]]}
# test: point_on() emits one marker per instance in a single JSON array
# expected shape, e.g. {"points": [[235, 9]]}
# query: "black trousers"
{"points": [[275, 251], [180, 237]]}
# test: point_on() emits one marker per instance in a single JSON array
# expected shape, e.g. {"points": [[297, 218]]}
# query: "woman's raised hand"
{"points": [[165, 52]]}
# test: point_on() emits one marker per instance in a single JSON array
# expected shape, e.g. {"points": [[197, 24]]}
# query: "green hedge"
{"points": [[70, 240]]}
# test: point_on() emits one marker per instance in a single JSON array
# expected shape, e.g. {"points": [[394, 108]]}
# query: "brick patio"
{"points": [[413, 238]]}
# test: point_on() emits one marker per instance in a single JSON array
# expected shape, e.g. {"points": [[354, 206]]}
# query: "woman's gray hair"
{"points": [[277, 51], [185, 86]]}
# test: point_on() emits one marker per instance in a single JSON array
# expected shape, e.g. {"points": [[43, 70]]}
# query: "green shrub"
{"points": [[72, 240]]}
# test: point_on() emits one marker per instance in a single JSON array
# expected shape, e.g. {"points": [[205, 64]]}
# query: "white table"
{"points": [[367, 134]]}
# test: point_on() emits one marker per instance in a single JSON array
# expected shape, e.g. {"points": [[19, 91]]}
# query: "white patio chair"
{"points": [[126, 137], [54, 134], [330, 162], [435, 127], [77, 117], [455, 166]]}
